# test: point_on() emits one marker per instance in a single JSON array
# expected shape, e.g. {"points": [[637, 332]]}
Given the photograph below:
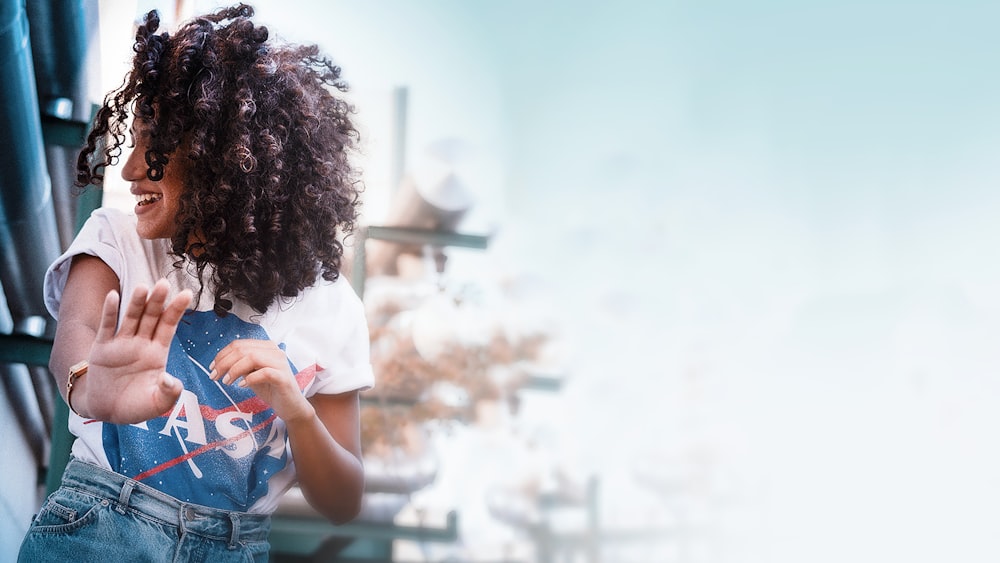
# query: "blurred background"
{"points": [[648, 281]]}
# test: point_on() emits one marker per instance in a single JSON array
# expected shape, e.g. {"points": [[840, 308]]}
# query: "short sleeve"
{"points": [[350, 369], [97, 238], [336, 332]]}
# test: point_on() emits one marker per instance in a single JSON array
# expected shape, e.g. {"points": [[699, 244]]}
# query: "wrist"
{"points": [[304, 416], [73, 383]]}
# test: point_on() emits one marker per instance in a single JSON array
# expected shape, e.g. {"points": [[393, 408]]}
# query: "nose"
{"points": [[135, 165]]}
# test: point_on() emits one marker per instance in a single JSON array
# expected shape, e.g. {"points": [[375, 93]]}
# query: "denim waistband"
{"points": [[128, 494]]}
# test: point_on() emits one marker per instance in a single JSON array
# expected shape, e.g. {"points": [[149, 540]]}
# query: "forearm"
{"points": [[331, 476], [88, 282], [324, 430]]}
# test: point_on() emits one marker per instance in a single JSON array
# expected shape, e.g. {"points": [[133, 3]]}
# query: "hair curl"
{"points": [[271, 190]]}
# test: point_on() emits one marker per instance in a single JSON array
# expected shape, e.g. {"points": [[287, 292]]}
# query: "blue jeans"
{"points": [[100, 516]]}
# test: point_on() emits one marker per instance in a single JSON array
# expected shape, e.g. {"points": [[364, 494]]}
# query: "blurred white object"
{"points": [[433, 196]]}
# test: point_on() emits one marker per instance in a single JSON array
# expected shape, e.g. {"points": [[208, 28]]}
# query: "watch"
{"points": [[76, 371]]}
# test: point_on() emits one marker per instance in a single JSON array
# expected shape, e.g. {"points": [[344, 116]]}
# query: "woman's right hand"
{"points": [[127, 380]]}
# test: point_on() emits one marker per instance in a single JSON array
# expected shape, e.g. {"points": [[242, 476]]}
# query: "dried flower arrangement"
{"points": [[413, 390]]}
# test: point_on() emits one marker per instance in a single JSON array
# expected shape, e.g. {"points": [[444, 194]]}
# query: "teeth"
{"points": [[146, 199]]}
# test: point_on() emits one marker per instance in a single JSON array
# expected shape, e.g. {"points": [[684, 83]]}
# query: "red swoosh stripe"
{"points": [[207, 447]]}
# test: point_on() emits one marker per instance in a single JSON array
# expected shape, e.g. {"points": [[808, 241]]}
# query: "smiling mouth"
{"points": [[146, 199]]}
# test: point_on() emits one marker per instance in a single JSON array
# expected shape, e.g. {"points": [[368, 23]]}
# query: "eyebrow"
{"points": [[134, 130]]}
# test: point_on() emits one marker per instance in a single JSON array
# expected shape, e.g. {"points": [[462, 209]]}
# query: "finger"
{"points": [[153, 310], [265, 375], [241, 367], [229, 355], [133, 311], [223, 360], [254, 356], [109, 317], [171, 317], [253, 378], [258, 376]]}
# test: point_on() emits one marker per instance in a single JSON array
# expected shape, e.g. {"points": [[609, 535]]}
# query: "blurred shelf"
{"points": [[25, 349], [304, 535], [411, 235]]}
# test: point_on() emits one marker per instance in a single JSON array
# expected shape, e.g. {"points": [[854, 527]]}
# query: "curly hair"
{"points": [[271, 190]]}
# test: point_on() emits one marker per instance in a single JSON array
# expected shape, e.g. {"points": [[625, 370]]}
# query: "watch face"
{"points": [[78, 369]]}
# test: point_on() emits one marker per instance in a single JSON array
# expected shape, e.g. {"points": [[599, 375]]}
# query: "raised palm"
{"points": [[127, 379]]}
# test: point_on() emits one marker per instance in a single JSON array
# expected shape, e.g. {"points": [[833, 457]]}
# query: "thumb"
{"points": [[167, 392]]}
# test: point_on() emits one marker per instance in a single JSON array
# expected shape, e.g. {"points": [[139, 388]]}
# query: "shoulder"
{"points": [[110, 234], [113, 231], [108, 227], [110, 218], [330, 310], [326, 303], [325, 327], [113, 215], [335, 296]]}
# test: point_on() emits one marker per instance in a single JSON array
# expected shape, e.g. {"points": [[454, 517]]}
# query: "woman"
{"points": [[240, 348]]}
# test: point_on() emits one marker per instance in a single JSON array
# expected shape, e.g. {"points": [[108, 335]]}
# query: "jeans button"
{"points": [[189, 513]]}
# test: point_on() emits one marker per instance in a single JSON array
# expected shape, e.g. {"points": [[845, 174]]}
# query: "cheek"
{"points": [[173, 198]]}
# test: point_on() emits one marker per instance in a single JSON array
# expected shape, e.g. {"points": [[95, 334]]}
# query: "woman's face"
{"points": [[157, 203]]}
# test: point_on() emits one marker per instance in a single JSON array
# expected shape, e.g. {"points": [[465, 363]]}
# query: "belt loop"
{"points": [[234, 538], [123, 498], [182, 516]]}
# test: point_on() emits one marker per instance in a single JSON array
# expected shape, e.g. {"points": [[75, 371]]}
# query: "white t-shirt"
{"points": [[220, 445]]}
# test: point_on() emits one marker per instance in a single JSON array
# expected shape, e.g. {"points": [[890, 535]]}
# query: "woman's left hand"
{"points": [[264, 368]]}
